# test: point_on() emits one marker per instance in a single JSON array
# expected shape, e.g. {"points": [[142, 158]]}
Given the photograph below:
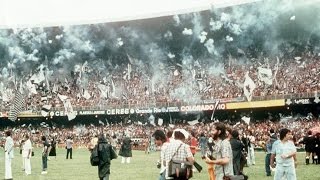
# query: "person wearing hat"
{"points": [[178, 150]]}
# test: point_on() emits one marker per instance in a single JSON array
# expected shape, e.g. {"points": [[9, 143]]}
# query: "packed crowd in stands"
{"points": [[294, 75], [82, 134]]}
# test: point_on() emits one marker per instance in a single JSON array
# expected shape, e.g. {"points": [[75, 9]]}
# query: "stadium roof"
{"points": [[40, 13]]}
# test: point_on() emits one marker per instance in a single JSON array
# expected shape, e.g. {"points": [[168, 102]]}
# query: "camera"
{"points": [[158, 164], [209, 155]]}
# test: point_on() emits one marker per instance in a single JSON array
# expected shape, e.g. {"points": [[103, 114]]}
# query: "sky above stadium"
{"points": [[183, 43], [35, 13]]}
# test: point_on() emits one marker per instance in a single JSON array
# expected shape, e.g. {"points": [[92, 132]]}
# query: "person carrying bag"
{"points": [[178, 157]]}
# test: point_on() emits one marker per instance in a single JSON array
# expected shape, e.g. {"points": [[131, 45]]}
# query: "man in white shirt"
{"points": [[26, 154], [69, 143], [8, 149]]}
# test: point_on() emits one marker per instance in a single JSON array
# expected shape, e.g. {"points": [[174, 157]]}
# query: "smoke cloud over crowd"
{"points": [[185, 45]]}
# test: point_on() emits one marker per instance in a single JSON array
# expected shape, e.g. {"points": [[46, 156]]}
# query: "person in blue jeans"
{"points": [[284, 151], [45, 152], [271, 139]]}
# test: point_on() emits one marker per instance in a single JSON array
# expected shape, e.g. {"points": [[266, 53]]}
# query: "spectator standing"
{"points": [[45, 152], [126, 150], [251, 156], [269, 143], [237, 148], [203, 145], [69, 143], [8, 156], [309, 142], [106, 154], [284, 151], [161, 140], [178, 150], [222, 152], [53, 151], [193, 143], [26, 154], [21, 149]]}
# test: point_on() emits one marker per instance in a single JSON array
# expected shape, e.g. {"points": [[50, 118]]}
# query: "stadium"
{"points": [[251, 64]]}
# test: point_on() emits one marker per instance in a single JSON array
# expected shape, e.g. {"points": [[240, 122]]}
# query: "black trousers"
{"points": [[69, 151]]}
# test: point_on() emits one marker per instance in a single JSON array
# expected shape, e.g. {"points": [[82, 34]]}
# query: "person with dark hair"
{"points": [[126, 150], [309, 142], [8, 156], [251, 156], [270, 139], [317, 146], [178, 150], [146, 145], [161, 140], [193, 143], [222, 152], [169, 136], [45, 151], [69, 143], [106, 154], [237, 148], [203, 145], [53, 151], [284, 151]]}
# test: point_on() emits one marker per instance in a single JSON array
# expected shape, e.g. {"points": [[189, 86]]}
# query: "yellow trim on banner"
{"points": [[256, 104]]}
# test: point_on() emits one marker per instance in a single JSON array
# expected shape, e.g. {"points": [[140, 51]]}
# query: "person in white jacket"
{"points": [[8, 149], [26, 154]]}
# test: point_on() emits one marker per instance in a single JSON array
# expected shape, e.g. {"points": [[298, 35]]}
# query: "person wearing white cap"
{"points": [[178, 151]]}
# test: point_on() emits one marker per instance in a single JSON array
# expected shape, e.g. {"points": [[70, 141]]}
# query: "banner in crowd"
{"points": [[297, 101], [30, 113], [256, 104], [224, 100], [121, 111], [186, 108]]}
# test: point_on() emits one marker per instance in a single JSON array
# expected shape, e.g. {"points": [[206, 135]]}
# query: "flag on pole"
{"points": [[45, 110], [214, 109], [17, 106]]}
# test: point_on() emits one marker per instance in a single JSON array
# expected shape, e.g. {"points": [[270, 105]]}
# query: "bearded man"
{"points": [[222, 152]]}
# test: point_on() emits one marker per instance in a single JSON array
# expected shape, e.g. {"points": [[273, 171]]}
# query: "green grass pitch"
{"points": [[142, 167]]}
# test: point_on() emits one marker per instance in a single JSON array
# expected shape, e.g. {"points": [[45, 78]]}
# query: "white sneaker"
{"points": [[44, 172]]}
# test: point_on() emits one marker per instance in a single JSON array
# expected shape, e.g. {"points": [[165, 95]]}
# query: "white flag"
{"points": [[246, 119], [248, 87], [265, 75], [68, 109], [194, 122], [86, 95], [160, 122]]}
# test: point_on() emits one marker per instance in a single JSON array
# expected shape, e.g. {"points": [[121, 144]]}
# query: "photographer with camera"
{"points": [[178, 157], [222, 153], [161, 140]]}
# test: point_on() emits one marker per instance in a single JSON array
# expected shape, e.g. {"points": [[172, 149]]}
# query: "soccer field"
{"points": [[142, 167]]}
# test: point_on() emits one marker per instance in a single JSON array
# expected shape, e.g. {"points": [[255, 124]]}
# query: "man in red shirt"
{"points": [[193, 143]]}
